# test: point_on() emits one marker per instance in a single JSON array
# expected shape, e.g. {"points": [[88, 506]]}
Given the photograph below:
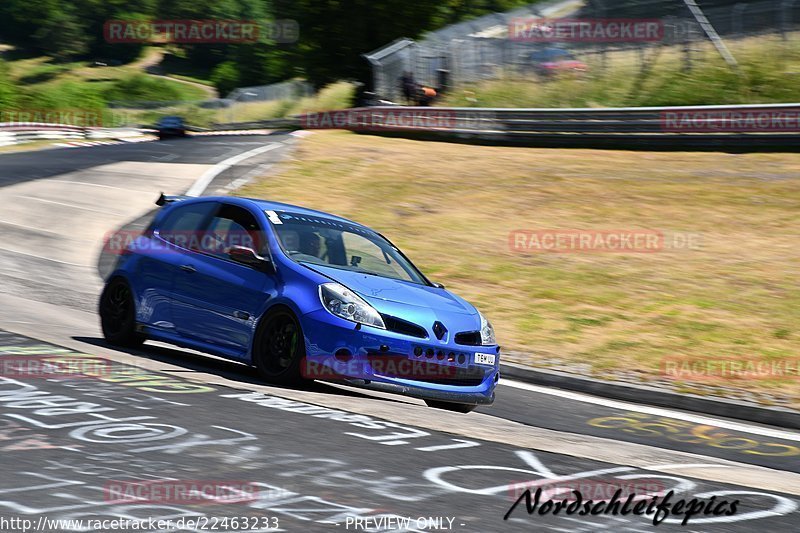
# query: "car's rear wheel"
{"points": [[118, 315], [451, 406], [279, 348]]}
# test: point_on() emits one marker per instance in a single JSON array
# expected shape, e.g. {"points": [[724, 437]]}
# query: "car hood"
{"points": [[377, 289]]}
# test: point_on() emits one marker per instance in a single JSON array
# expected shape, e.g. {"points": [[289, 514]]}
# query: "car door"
{"points": [[160, 257], [216, 299]]}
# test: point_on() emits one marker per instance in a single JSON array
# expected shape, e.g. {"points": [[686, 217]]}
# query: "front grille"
{"points": [[406, 328], [423, 368], [390, 365], [468, 338]]}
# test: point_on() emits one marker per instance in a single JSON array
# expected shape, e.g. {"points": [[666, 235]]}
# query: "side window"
{"points": [[230, 226], [183, 225], [304, 243]]}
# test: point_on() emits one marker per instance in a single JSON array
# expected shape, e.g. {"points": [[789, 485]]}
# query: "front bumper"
{"points": [[171, 132], [364, 356], [472, 398]]}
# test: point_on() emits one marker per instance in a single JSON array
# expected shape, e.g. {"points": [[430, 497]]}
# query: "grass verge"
{"points": [[39, 83], [338, 95]]}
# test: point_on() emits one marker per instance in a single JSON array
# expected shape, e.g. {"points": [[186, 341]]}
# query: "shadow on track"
{"points": [[232, 370]]}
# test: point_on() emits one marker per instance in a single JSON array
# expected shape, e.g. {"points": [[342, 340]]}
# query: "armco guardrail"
{"points": [[12, 133], [18, 132], [769, 127], [274, 123]]}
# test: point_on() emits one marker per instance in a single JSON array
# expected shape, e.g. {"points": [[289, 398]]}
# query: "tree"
{"points": [[335, 33], [8, 91], [61, 35], [225, 77]]}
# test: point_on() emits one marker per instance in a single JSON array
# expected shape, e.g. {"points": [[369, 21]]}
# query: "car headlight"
{"points": [[344, 303], [487, 332]]}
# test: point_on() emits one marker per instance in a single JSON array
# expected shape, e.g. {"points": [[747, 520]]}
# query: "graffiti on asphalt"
{"points": [[110, 429]]}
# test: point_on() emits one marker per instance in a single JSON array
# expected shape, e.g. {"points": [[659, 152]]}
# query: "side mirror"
{"points": [[248, 256], [437, 285]]}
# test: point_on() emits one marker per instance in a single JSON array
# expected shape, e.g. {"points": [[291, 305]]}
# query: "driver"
{"points": [[310, 243]]}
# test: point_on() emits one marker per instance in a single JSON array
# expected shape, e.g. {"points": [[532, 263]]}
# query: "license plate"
{"points": [[484, 359]]}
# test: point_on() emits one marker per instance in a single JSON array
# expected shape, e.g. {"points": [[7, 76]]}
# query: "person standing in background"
{"points": [[408, 87]]}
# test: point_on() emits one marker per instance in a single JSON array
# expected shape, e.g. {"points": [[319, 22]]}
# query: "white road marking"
{"points": [[100, 185], [655, 411], [200, 185], [235, 184], [73, 206], [44, 258], [168, 157], [536, 464], [31, 228]]}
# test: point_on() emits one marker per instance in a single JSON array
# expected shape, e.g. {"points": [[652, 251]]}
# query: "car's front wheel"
{"points": [[279, 348], [118, 315], [451, 406]]}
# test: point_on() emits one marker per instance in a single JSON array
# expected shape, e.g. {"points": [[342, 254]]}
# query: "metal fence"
{"points": [[434, 58], [205, 112], [482, 49], [287, 90]]}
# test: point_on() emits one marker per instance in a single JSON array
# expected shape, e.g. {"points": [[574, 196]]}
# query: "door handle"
{"points": [[188, 268]]}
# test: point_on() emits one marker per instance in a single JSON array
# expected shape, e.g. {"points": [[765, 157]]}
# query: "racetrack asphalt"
{"points": [[319, 457]]}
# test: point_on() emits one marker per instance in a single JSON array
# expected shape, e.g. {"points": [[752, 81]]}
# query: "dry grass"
{"points": [[338, 95], [768, 73], [252, 111], [451, 208]]}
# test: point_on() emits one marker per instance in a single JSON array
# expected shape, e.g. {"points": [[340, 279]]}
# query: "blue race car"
{"points": [[170, 127], [299, 294]]}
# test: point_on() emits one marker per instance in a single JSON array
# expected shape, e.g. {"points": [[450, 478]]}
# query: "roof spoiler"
{"points": [[164, 199]]}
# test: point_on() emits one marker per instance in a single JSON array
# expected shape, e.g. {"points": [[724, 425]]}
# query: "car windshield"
{"points": [[327, 242]]}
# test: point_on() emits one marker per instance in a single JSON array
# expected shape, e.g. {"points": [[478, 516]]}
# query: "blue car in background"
{"points": [[170, 127], [299, 294]]}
